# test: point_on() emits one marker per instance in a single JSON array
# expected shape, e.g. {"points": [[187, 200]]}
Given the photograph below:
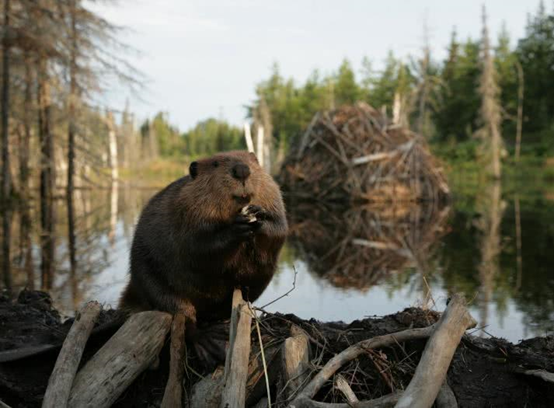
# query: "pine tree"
{"points": [[347, 91], [536, 55], [455, 115]]}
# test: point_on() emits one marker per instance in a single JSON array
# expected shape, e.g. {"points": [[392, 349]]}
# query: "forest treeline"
{"points": [[58, 56], [441, 100]]}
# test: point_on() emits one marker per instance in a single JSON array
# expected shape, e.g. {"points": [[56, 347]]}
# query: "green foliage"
{"points": [[536, 54], [169, 141], [439, 99], [347, 90], [458, 109], [211, 136]]}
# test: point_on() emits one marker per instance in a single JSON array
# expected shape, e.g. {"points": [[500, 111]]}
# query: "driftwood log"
{"points": [[114, 367], [238, 355], [61, 379], [295, 363], [228, 388], [137, 344], [430, 374], [446, 397], [431, 371], [173, 394], [4, 405], [343, 386]]}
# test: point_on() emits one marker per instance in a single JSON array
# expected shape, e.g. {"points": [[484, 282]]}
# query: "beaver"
{"points": [[217, 229]]}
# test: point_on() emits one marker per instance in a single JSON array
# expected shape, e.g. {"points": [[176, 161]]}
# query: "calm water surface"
{"points": [[494, 243]]}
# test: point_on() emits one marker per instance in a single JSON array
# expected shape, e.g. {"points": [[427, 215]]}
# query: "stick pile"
{"points": [[291, 377], [354, 154]]}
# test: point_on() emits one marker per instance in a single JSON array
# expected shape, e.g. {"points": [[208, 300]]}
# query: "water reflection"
{"points": [[491, 208], [357, 247], [493, 245]]}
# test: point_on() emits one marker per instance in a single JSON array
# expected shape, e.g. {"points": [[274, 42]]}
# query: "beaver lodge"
{"points": [[355, 154], [415, 358]]}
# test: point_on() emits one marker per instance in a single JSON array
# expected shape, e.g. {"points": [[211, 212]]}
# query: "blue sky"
{"points": [[204, 58]]}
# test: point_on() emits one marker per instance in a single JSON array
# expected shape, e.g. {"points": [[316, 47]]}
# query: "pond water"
{"points": [[494, 243]]}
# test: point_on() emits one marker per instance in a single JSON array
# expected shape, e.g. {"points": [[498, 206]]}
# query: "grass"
{"points": [[157, 173]]}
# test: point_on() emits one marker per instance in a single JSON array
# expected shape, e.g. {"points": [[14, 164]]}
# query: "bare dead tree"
{"points": [[6, 176], [491, 110], [71, 130]]}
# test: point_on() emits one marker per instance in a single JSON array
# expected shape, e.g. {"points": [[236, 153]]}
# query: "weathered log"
{"points": [[342, 385], [174, 388], [61, 379], [431, 371], [353, 352], [4, 405], [295, 362], [206, 393], [446, 397], [387, 401], [18, 354], [456, 313], [543, 374], [263, 403], [258, 376], [236, 364], [115, 366]]}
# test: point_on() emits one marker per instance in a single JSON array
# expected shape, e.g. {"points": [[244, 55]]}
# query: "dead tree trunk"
{"points": [[24, 173], [6, 177], [72, 112], [47, 176], [116, 365], [490, 107]]}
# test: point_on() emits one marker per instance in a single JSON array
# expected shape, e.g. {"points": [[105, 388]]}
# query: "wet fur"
{"points": [[188, 252]]}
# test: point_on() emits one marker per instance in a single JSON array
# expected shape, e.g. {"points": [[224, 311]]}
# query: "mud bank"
{"points": [[484, 372]]}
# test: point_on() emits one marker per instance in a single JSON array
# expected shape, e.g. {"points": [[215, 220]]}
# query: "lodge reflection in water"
{"points": [[356, 247], [495, 248]]}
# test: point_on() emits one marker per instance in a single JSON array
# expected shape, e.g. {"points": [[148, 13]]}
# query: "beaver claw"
{"points": [[253, 213]]}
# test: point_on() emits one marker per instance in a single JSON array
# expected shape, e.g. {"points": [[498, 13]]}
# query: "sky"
{"points": [[204, 58]]}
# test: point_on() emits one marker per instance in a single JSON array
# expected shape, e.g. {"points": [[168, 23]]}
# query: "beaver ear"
{"points": [[193, 170], [254, 157]]}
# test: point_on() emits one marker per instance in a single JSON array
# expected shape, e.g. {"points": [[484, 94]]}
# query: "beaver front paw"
{"points": [[245, 225], [254, 213]]}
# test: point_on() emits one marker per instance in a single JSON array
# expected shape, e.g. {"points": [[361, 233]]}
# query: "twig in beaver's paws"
{"points": [[249, 212]]}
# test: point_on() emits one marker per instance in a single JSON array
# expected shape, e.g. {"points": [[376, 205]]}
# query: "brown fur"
{"points": [[189, 252]]}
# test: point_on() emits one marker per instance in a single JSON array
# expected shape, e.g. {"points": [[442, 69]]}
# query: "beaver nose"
{"points": [[241, 171]]}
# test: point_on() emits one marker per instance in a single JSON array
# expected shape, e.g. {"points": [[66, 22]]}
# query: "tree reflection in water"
{"points": [[494, 247]]}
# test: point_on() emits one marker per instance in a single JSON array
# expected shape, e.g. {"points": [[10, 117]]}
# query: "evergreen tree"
{"points": [[536, 53], [347, 91], [211, 136], [458, 102], [384, 87]]}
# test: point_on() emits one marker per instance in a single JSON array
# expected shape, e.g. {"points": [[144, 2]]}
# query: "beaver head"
{"points": [[221, 185]]}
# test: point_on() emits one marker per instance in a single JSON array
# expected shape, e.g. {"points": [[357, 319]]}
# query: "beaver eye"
{"points": [[215, 164]]}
